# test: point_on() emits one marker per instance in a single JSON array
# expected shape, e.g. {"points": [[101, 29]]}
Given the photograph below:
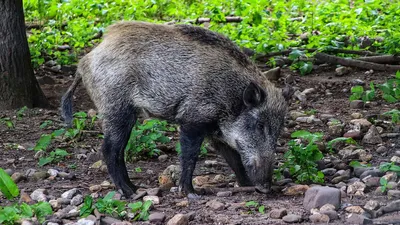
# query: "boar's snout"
{"points": [[260, 170]]}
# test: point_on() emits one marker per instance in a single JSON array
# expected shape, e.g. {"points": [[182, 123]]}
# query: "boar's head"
{"points": [[254, 132]]}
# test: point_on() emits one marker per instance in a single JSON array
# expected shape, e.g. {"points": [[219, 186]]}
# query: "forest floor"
{"points": [[328, 99]]}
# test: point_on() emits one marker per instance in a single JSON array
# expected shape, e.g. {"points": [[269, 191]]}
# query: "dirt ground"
{"points": [[27, 132]]}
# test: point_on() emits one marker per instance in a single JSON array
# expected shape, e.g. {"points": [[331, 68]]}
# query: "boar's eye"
{"points": [[260, 126]]}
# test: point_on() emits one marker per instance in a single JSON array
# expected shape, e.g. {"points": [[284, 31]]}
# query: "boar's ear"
{"points": [[287, 92], [253, 95]]}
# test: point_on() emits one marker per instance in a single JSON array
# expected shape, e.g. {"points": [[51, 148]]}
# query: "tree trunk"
{"points": [[18, 85]]}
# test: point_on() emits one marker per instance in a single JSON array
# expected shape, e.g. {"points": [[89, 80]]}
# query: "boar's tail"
{"points": [[66, 100]]}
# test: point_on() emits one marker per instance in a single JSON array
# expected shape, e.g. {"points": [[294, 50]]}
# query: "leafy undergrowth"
{"points": [[67, 27]]}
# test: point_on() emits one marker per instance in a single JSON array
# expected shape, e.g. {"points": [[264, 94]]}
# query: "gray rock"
{"points": [[358, 219], [40, 175], [51, 223], [393, 194], [154, 199], [284, 181], [332, 214], [294, 114], [340, 71], [395, 159], [372, 136], [278, 213], [318, 196], [26, 222], [29, 172], [357, 104], [216, 205], [358, 82], [178, 219], [52, 172], [224, 193], [361, 124], [329, 171], [109, 220], [357, 188], [355, 134], [85, 221], [390, 207], [339, 179], [70, 193], [372, 173], [292, 218], [39, 195], [157, 217], [360, 170], [9, 172], [372, 205], [77, 200], [163, 158], [17, 177], [64, 201], [381, 149], [319, 218], [371, 181], [356, 115], [154, 192]]}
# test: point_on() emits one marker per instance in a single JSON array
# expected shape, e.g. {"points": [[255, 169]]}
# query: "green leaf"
{"points": [[7, 185], [41, 210], [389, 98], [306, 68], [26, 210], [383, 181], [146, 205], [109, 196], [135, 206], [43, 143], [261, 209], [251, 203], [45, 161], [58, 132], [398, 75], [300, 134], [295, 54]]}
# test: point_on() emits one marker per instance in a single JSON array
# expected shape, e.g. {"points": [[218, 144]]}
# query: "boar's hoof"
{"points": [[261, 189]]}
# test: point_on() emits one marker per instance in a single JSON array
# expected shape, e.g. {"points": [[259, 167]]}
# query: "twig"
{"points": [[382, 59], [228, 19], [355, 63]]}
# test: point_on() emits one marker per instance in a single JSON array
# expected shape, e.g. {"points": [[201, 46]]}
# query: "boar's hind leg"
{"points": [[233, 159], [117, 126], [191, 138]]}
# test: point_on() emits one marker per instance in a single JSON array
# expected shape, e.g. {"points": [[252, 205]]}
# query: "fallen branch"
{"points": [[381, 59], [228, 19], [265, 57], [355, 63]]}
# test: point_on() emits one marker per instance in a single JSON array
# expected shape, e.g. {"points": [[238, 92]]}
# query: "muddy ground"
{"points": [[331, 96]]}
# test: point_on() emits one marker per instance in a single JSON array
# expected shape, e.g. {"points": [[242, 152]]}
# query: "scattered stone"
{"points": [[54, 204], [335, 130], [95, 188], [273, 74], [357, 188], [105, 184], [109, 220], [178, 219], [278, 213], [372, 205], [154, 192], [216, 205], [372, 173], [173, 172], [308, 119], [70, 193], [224, 193], [163, 158], [339, 179], [64, 201], [201, 180], [372, 136], [395, 159], [357, 104], [39, 154], [371, 181], [52, 172], [302, 97], [183, 203], [329, 171], [292, 218], [393, 194], [332, 214], [284, 181], [379, 191], [356, 115], [25, 198], [17, 177], [97, 164], [154, 199], [318, 196], [361, 124], [391, 207], [355, 209], [355, 134], [325, 116], [297, 189], [39, 195], [327, 207], [85, 221], [358, 219], [219, 178], [26, 222], [40, 175], [390, 176], [294, 114], [392, 185], [319, 218], [157, 217], [77, 200], [357, 82], [381, 149], [341, 71]]}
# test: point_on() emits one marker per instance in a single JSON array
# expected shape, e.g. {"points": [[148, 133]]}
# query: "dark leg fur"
{"points": [[117, 127], [66, 101], [234, 161], [191, 138]]}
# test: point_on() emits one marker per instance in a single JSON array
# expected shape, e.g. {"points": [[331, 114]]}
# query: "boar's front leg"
{"points": [[233, 159], [117, 126], [191, 138]]}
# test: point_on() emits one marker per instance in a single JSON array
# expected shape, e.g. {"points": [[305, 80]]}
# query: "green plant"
{"points": [[140, 210], [145, 137], [111, 206], [384, 167], [359, 93], [255, 205], [46, 123], [7, 185], [87, 207], [20, 112], [298, 64], [391, 89], [301, 160], [8, 122], [45, 140], [384, 184], [54, 157], [347, 140], [80, 123], [395, 114], [356, 164], [311, 112], [12, 214]]}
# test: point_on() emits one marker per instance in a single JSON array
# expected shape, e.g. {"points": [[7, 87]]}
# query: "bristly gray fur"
{"points": [[187, 75]]}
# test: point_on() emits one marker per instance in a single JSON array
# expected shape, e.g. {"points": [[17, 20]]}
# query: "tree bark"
{"points": [[18, 85]]}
